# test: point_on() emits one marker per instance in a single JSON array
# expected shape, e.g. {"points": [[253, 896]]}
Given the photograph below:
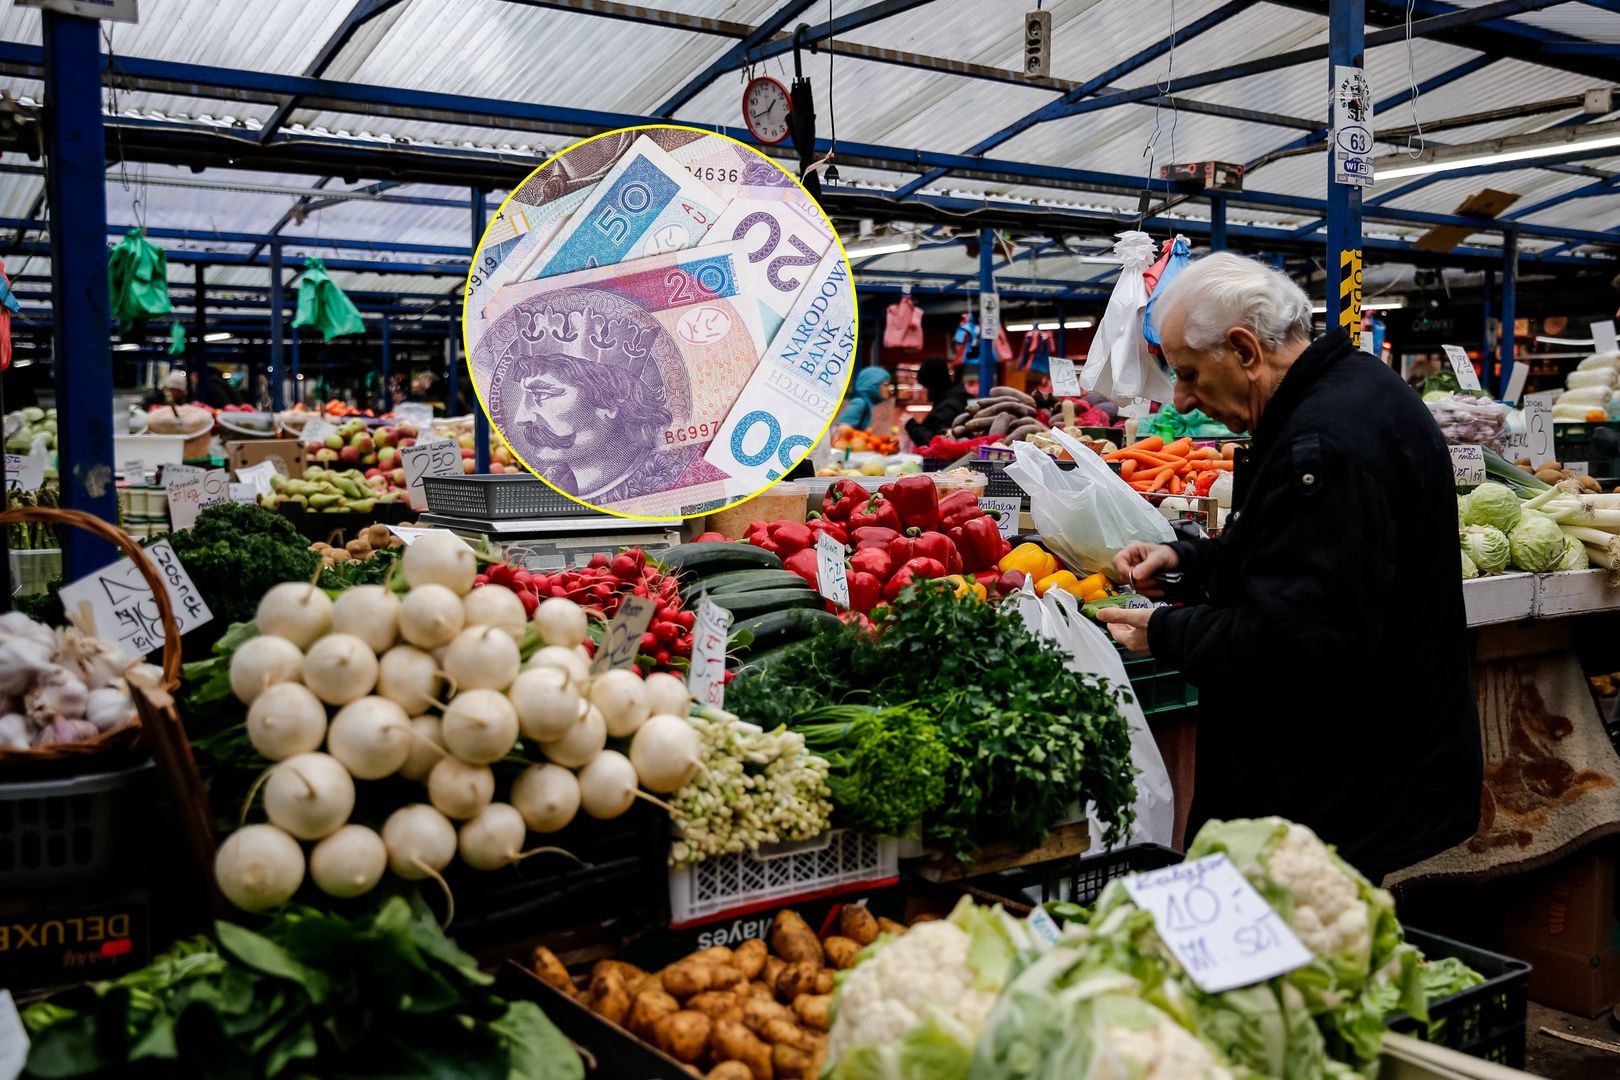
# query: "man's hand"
{"points": [[1141, 564], [1128, 625]]}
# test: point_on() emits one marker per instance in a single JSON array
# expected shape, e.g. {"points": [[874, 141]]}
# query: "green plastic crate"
{"points": [[1572, 442], [1159, 688]]}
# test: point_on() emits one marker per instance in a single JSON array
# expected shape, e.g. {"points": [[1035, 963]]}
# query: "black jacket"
{"points": [[1327, 637], [938, 421]]}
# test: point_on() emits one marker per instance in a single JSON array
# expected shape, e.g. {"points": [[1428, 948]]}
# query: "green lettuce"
{"points": [[1486, 548], [1536, 544]]}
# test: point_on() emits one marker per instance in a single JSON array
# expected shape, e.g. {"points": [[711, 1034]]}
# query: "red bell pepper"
{"points": [[936, 545], [804, 563], [914, 570], [958, 508], [790, 536], [873, 536], [989, 579], [873, 560], [877, 511], [704, 538], [831, 528], [865, 591], [917, 500], [1010, 581], [981, 544], [843, 497], [902, 549]]}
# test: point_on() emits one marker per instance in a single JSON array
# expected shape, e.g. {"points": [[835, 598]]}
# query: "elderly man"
{"points": [[1324, 629]]}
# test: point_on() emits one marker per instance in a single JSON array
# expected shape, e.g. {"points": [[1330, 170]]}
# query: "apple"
{"points": [[372, 474], [352, 427], [405, 442], [466, 441], [349, 454], [496, 467], [386, 454], [326, 455], [468, 465], [311, 448], [466, 453], [405, 431], [385, 436], [363, 442], [397, 478]]}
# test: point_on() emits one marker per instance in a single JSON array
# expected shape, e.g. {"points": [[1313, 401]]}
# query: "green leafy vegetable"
{"points": [[888, 765]]}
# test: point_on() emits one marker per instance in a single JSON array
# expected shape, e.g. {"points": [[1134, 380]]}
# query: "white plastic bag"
{"points": [[1057, 617], [1119, 365], [1087, 514]]}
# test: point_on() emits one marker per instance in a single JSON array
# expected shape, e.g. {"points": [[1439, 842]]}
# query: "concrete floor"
{"points": [[1556, 1058]]}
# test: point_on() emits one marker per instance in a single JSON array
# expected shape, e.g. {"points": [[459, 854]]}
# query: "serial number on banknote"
{"points": [[692, 432], [715, 175]]}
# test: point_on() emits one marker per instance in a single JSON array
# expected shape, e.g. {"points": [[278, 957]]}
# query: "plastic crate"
{"points": [[726, 885], [1158, 687], [31, 571], [1573, 442], [60, 833], [499, 496]]}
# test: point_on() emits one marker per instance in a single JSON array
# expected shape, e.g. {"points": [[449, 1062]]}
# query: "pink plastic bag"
{"points": [[903, 327]]}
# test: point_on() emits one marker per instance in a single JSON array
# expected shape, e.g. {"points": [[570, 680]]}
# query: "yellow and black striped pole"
{"points": [[1350, 294]]}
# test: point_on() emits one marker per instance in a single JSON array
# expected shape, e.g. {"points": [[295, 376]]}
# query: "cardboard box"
{"points": [[1586, 984], [1563, 922], [247, 453]]}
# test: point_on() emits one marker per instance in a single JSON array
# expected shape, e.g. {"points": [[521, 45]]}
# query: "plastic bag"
{"points": [[1179, 259], [1057, 617], [903, 327], [8, 307], [137, 281], [1035, 353], [1004, 351], [177, 339], [323, 305], [1464, 419], [1119, 364], [1087, 514]]}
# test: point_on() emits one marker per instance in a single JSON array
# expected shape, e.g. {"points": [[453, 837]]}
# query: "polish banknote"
{"points": [[786, 235], [492, 268]]}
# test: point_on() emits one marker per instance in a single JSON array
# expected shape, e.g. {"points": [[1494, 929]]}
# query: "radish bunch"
{"points": [[431, 685]]}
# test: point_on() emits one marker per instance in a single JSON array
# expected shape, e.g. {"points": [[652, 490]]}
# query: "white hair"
{"points": [[1223, 290]]}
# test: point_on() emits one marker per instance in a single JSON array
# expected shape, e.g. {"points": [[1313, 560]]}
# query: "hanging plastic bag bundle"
{"points": [[323, 305], [1179, 258], [177, 339], [137, 281], [902, 328], [1119, 364], [8, 307]]}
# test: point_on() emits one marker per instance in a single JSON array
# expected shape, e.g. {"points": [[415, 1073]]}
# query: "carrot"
{"points": [[1141, 456], [1126, 468], [1175, 485], [1151, 475], [1204, 453], [1149, 444], [1220, 466], [1162, 481], [1180, 448]]}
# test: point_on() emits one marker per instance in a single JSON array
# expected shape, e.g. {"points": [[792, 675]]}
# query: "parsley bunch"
{"points": [[888, 765]]}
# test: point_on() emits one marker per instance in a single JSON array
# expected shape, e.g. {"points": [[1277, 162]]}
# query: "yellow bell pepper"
{"points": [[966, 586], [1063, 580], [1032, 559], [1094, 587]]}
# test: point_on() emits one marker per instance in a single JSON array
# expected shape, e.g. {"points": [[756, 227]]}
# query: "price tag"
{"points": [[24, 472], [706, 678], [1222, 931], [1005, 511], [317, 430], [245, 494], [1136, 603], [409, 533], [258, 476], [134, 471], [830, 579], [436, 457], [1467, 377], [1045, 926], [1065, 383], [1538, 426], [1516, 380], [622, 641], [13, 1039], [192, 490], [1578, 468], [1604, 338], [417, 415], [1468, 465], [116, 604]]}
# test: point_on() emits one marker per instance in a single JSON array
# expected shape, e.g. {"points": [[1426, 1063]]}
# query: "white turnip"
{"points": [[420, 841], [430, 616], [295, 610], [261, 662], [667, 695], [340, 668], [583, 741], [286, 719], [259, 867], [666, 752], [440, 558], [547, 796], [546, 703], [459, 790], [372, 737], [410, 678], [492, 839], [622, 700], [480, 726], [561, 622], [607, 785], [370, 613], [309, 796], [566, 660], [482, 658], [497, 606], [426, 748], [348, 863]]}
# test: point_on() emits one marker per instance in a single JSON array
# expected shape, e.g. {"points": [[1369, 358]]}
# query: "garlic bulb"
{"points": [[15, 731], [109, 709], [57, 695], [95, 662], [65, 731], [16, 624], [20, 660]]}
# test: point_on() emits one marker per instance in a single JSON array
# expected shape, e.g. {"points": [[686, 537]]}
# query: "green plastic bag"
{"points": [[137, 281], [1170, 425], [177, 340], [323, 305]]}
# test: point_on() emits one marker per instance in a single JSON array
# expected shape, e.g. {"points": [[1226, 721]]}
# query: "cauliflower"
{"points": [[1139, 1042], [1328, 917]]}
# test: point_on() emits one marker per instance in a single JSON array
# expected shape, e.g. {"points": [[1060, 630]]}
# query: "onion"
{"points": [[561, 622], [370, 613], [409, 677], [497, 606], [348, 863], [483, 658], [667, 695], [426, 748], [607, 786], [286, 719], [460, 790], [547, 796], [582, 742], [666, 752], [296, 611], [417, 837], [440, 558], [372, 737], [259, 867], [309, 796], [547, 706], [340, 668], [623, 701], [430, 616], [263, 661], [494, 838], [480, 726], [565, 660]]}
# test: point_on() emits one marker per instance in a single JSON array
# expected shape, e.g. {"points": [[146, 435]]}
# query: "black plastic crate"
{"points": [[494, 497], [1574, 442], [1159, 688], [72, 831]]}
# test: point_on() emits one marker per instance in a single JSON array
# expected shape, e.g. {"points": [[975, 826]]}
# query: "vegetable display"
{"points": [[1178, 467], [349, 491], [33, 535], [60, 686], [1517, 522]]}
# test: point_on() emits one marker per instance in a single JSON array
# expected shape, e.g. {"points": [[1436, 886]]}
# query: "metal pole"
{"points": [[292, 367], [277, 326], [450, 371], [1510, 290], [387, 367], [76, 188], [987, 283], [1058, 338], [200, 323], [1346, 27], [1217, 223], [1498, 384], [480, 418]]}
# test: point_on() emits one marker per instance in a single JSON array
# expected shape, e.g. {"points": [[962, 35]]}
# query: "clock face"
{"points": [[765, 109]]}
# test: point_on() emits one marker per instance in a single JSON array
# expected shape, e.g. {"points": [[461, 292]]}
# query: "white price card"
{"points": [[259, 476], [408, 534], [1045, 926], [1604, 338], [133, 470], [245, 494], [1467, 377], [25, 472], [13, 1039], [436, 457], [1468, 465], [1004, 510], [831, 580], [115, 603], [1223, 932], [417, 415], [190, 492], [174, 472], [1065, 383], [1516, 380], [706, 678], [1134, 603], [1578, 468], [317, 430], [622, 642], [1538, 426]]}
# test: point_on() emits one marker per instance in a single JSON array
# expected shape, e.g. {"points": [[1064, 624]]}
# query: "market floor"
{"points": [[1548, 1056]]}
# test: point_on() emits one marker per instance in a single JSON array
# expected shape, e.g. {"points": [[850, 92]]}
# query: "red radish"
{"points": [[686, 619], [481, 579], [598, 560]]}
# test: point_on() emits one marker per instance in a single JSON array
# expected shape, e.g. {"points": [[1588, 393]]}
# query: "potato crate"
{"points": [[729, 885]]}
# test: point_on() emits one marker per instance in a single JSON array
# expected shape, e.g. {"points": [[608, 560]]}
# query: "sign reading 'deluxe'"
{"points": [[1223, 932]]}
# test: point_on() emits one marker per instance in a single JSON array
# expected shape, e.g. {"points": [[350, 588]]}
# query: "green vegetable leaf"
{"points": [[262, 954], [538, 1050]]}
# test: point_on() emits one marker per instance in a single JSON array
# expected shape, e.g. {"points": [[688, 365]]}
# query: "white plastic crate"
{"points": [[778, 873]]}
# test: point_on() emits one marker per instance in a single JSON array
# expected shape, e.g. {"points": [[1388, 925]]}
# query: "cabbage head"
{"points": [[1469, 569], [1462, 510], [1575, 557], [1495, 505], [1536, 544], [1486, 547]]}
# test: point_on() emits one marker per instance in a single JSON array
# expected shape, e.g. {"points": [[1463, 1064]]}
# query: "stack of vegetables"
{"points": [[856, 441], [370, 540], [1179, 467], [60, 686], [1048, 572], [1590, 394], [1518, 522]]}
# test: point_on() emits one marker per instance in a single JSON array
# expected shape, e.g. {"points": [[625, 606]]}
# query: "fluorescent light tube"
{"points": [[1564, 340], [881, 247], [1501, 151], [1370, 305], [220, 335], [1068, 324]]}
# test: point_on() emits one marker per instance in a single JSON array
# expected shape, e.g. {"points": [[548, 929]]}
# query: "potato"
{"points": [[655, 981], [778, 1032], [749, 958], [549, 970], [814, 1010], [791, 1063], [688, 977], [889, 926], [608, 997], [757, 1014], [772, 968], [631, 974], [683, 1035], [646, 1009], [793, 940], [716, 1004], [798, 979], [927, 917], [717, 954], [825, 981], [725, 977], [731, 1070], [732, 1041], [857, 924], [840, 952], [757, 990]]}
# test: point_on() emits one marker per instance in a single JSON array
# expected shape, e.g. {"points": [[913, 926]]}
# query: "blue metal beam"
{"points": [[219, 236], [733, 58], [987, 284], [1217, 223], [838, 27], [277, 316], [480, 417], [387, 368], [363, 12], [1510, 300], [1346, 24]]}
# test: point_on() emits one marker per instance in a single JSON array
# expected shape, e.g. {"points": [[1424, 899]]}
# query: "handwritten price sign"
{"points": [[25, 472], [1005, 511], [1468, 465], [190, 492], [706, 679], [1065, 383], [439, 457], [1462, 367], [623, 639], [116, 603], [830, 579]]}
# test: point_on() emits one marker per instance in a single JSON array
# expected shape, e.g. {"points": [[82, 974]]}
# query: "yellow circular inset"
{"points": [[660, 322]]}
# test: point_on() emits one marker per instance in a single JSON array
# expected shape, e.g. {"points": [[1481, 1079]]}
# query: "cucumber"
{"points": [[781, 627], [748, 605], [739, 581], [714, 557], [758, 662]]}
